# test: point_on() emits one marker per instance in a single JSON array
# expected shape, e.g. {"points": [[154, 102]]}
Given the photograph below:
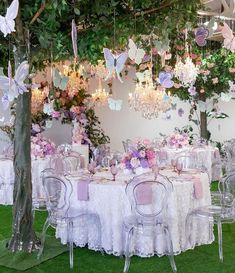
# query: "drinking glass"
{"points": [[114, 171], [179, 167], [173, 164], [155, 170]]}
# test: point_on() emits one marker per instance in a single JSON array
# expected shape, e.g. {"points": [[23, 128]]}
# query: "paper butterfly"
{"points": [[5, 102], [114, 63], [162, 46], [231, 86], [166, 116], [134, 53], [60, 81], [12, 87], [48, 108], [204, 107], [225, 97], [165, 79], [180, 112], [201, 34], [2, 119], [74, 39], [211, 26], [192, 90], [115, 104], [229, 39], [173, 106], [142, 76], [7, 23], [166, 98]]}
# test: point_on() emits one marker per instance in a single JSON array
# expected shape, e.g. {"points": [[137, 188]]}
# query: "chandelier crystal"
{"points": [[100, 96], [186, 72], [149, 100]]}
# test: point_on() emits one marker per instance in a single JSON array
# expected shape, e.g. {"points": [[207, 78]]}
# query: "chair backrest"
{"points": [[58, 191], [64, 148], [71, 163], [57, 163], [229, 150], [188, 160], [148, 198], [99, 153]]}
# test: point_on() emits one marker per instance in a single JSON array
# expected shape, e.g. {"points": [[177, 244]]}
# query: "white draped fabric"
{"points": [[7, 173], [108, 199]]}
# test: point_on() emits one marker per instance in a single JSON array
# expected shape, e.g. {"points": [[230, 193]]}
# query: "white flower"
{"points": [[135, 162]]}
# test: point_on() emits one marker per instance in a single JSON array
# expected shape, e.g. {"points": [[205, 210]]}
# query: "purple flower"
{"points": [[144, 163]]}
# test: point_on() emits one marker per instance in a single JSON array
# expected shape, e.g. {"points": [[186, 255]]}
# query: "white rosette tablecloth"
{"points": [[7, 173], [108, 199]]}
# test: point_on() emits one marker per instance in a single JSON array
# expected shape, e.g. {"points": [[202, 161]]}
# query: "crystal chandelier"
{"points": [[100, 96], [186, 72], [149, 100]]}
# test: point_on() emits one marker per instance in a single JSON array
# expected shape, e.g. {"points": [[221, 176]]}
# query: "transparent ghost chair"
{"points": [[221, 211], [229, 151], [6, 182], [64, 148], [58, 191], [99, 153], [149, 200]]}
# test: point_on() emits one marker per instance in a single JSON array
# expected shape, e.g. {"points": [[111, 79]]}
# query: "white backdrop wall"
{"points": [[127, 123]]}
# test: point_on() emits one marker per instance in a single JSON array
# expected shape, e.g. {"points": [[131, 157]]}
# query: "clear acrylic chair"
{"points": [[6, 184], [148, 213], [64, 148], [221, 211], [58, 191], [229, 151]]}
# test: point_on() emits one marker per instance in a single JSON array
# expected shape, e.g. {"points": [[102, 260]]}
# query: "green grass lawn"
{"points": [[203, 259]]}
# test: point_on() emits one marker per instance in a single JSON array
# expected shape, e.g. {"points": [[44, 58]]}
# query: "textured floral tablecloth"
{"points": [[108, 199], [7, 173]]}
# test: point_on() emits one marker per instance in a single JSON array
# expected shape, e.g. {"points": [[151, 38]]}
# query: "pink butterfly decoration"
{"points": [[114, 63], [201, 34], [229, 38]]}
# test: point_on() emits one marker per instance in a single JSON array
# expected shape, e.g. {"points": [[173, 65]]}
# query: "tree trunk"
{"points": [[23, 235], [203, 120]]}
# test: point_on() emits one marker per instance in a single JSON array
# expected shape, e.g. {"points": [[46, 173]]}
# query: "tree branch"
{"points": [[38, 13], [148, 11]]}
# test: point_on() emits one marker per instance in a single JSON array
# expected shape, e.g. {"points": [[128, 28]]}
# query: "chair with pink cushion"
{"points": [[149, 199]]}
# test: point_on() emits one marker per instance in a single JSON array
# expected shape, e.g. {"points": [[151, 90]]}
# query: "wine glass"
{"points": [[173, 164], [179, 167], [155, 170], [91, 167], [114, 171]]}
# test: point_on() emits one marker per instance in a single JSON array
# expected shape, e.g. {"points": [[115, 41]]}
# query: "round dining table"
{"points": [[108, 199]]}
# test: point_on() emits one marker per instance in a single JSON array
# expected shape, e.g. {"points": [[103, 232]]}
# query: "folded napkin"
{"points": [[83, 190], [144, 194], [198, 190], [163, 155]]}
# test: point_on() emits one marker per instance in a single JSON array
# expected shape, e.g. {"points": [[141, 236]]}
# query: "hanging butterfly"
{"points": [[165, 79], [231, 86], [166, 116], [114, 63], [180, 112], [134, 53], [225, 97], [192, 90], [229, 38], [142, 76], [211, 26], [201, 34], [115, 105], [48, 108], [173, 106], [12, 87], [7, 23], [60, 81], [74, 39], [205, 107]]}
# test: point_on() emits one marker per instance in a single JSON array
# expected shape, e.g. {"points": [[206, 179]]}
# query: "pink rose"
{"points": [[215, 80], [55, 114]]}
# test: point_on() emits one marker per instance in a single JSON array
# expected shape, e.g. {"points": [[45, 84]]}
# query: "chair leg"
{"points": [[45, 227], [220, 241], [127, 250], [170, 249], [70, 239], [188, 226]]}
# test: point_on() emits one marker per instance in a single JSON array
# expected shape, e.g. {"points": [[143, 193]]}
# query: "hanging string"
{"points": [[114, 28], [135, 18]]}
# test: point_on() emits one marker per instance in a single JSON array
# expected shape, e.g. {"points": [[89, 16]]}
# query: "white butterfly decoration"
{"points": [[231, 86], [48, 108], [74, 39], [59, 81], [114, 63], [142, 76], [225, 97], [229, 38], [135, 53], [205, 107], [12, 87], [2, 119], [7, 23], [115, 105]]}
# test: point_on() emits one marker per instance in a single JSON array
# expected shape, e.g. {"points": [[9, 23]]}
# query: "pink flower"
{"points": [[150, 154], [55, 114], [231, 70], [210, 65], [215, 80], [206, 72], [177, 85], [142, 153]]}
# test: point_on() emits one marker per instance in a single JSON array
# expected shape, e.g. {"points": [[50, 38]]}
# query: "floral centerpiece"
{"points": [[140, 155], [178, 140], [41, 147]]}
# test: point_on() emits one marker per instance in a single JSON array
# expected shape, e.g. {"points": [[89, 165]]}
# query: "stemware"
{"points": [[91, 167], [114, 171], [179, 167], [173, 164], [155, 170]]}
